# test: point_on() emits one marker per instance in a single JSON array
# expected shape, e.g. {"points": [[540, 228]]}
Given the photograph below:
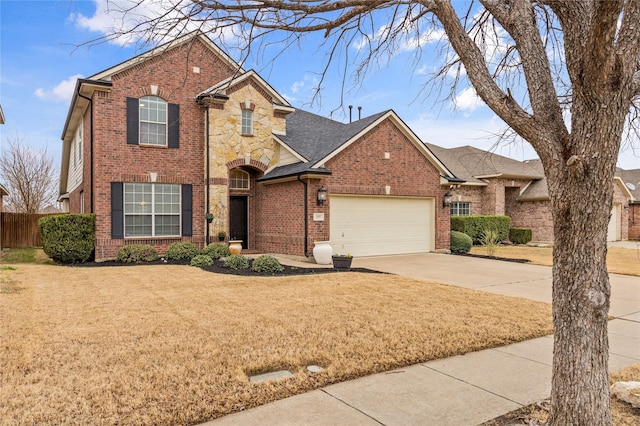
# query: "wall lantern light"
{"points": [[322, 195], [446, 201]]}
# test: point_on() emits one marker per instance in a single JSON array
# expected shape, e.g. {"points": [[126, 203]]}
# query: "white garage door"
{"points": [[613, 232], [369, 226]]}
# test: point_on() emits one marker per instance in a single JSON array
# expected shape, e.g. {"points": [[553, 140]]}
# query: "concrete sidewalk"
{"points": [[461, 390]]}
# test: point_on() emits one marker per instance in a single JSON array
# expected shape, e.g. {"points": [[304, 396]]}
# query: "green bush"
{"points": [[460, 242], [476, 226], [267, 264], [236, 261], [135, 253], [201, 260], [216, 250], [182, 251], [520, 235], [68, 238]]}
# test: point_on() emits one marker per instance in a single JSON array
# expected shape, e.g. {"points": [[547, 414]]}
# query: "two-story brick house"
{"points": [[153, 143]]}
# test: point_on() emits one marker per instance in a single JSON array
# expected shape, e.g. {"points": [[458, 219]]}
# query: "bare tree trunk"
{"points": [[581, 193]]}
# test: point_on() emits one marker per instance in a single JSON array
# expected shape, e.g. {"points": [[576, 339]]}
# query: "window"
{"points": [[247, 122], [151, 210], [238, 179], [153, 121], [460, 208], [81, 201]]}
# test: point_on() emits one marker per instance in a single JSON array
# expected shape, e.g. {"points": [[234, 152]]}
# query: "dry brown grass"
{"points": [[619, 260], [174, 344]]}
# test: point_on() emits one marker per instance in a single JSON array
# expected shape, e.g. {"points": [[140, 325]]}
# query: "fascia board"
{"points": [[405, 129], [624, 188], [106, 74]]}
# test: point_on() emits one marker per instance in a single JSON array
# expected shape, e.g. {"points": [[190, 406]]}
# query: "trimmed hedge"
{"points": [[68, 238], [267, 264], [182, 251], [460, 242], [201, 260], [216, 250], [520, 235], [135, 253], [236, 261], [475, 226]]}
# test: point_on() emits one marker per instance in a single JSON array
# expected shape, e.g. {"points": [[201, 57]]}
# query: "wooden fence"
{"points": [[20, 230]]}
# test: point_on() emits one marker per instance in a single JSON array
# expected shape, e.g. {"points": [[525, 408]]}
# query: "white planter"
{"points": [[322, 252], [235, 246]]}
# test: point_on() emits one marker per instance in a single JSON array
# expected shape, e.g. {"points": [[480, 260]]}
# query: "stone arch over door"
{"points": [[242, 211]]}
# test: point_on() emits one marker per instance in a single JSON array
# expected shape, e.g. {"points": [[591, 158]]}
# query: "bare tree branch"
{"points": [[29, 176]]}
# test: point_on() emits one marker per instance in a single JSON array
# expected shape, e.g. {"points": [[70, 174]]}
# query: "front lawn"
{"points": [[170, 344], [619, 260]]}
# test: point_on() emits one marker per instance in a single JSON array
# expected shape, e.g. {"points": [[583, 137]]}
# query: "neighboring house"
{"points": [[631, 179], [3, 192], [153, 143], [1, 115], [497, 185]]}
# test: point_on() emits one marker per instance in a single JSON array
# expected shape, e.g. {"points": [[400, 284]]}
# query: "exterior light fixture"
{"points": [[446, 200], [322, 195]]}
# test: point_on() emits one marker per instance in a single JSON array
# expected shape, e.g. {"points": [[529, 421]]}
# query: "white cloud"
{"points": [[131, 19], [467, 100], [62, 92]]}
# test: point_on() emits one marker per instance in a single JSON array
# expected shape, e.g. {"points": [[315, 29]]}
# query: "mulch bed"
{"points": [[219, 269]]}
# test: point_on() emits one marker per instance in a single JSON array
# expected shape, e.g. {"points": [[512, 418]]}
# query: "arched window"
{"points": [[238, 179], [153, 121]]}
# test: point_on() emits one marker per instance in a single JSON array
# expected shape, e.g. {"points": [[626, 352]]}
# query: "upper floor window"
{"points": [[153, 121], [459, 208], [247, 122], [238, 179]]}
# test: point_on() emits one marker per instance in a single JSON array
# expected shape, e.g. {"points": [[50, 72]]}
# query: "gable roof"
{"points": [[3, 191], [222, 87], [631, 181], [318, 139], [473, 165], [159, 50], [102, 81]]}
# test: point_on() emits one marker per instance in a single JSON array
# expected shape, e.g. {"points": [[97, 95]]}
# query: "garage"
{"points": [[613, 231], [370, 226]]}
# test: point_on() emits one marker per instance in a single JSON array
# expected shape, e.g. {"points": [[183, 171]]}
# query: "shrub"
{"points": [[520, 235], [182, 251], [216, 250], [475, 226], [201, 260], [460, 242], [490, 241], [135, 253], [236, 261], [68, 238], [267, 264]]}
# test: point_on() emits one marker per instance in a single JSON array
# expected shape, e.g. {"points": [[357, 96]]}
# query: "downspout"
{"points": [[206, 207], [306, 218], [90, 147]]}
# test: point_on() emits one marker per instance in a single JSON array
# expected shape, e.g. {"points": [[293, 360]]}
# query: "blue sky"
{"points": [[40, 62]]}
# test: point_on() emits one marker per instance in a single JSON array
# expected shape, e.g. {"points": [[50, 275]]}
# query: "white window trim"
{"points": [[242, 121], [244, 174], [165, 123], [153, 213]]}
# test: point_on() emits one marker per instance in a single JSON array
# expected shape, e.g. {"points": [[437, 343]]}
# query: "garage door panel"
{"points": [[367, 226]]}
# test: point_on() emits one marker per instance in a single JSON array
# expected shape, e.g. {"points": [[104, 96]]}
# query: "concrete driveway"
{"points": [[497, 276]]}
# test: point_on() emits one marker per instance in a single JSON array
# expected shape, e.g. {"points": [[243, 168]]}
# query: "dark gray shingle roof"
{"points": [[315, 137]]}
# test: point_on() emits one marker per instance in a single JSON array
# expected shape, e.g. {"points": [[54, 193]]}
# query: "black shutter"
{"points": [[174, 126], [133, 115], [187, 211], [117, 210]]}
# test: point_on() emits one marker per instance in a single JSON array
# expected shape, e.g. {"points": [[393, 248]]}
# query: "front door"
{"points": [[238, 219]]}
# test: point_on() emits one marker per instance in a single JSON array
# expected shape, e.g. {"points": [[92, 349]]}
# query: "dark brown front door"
{"points": [[238, 220]]}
